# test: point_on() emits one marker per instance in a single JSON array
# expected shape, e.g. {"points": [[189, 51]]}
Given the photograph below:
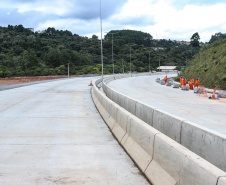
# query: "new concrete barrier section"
{"points": [[160, 158], [210, 146]]}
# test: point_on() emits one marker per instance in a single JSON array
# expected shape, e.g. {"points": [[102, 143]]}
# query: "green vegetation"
{"points": [[209, 65], [25, 53]]}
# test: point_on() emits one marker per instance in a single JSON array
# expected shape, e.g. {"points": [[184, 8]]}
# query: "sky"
{"points": [[163, 19]]}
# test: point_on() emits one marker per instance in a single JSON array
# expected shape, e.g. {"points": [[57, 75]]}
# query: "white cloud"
{"points": [[163, 17], [172, 23]]}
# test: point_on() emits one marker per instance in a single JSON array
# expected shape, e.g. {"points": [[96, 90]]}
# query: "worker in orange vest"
{"points": [[184, 81], [181, 81], [197, 82], [192, 80], [166, 79], [190, 85]]}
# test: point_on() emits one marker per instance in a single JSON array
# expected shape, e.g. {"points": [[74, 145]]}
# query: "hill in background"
{"points": [[209, 65]]}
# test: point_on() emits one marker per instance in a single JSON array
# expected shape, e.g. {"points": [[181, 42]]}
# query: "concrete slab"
{"points": [[51, 133]]}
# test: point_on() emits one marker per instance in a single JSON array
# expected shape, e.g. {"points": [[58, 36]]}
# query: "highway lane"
{"points": [[52, 133], [185, 104]]}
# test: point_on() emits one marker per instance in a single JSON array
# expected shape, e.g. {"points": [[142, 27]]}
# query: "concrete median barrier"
{"points": [[171, 126], [211, 146], [177, 165], [168, 124], [176, 85], [185, 87], [145, 113], [139, 142], [130, 105], [112, 111], [120, 100], [160, 158], [119, 130], [222, 181], [162, 82]]}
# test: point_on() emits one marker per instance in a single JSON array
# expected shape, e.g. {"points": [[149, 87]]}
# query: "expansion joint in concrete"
{"points": [[152, 158], [181, 130], [219, 179]]}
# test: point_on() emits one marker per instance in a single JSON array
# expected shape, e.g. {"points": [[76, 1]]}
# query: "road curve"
{"points": [[51, 133], [185, 104]]}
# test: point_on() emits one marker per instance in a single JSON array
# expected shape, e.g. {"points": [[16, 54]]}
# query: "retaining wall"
{"points": [[161, 159], [200, 140]]}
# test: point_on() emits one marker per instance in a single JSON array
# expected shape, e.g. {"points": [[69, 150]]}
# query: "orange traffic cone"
{"points": [[91, 84]]}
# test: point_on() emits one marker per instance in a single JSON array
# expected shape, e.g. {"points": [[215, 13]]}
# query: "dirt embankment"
{"points": [[19, 80]]}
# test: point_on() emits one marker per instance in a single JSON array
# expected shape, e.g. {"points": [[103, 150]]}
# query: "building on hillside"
{"points": [[167, 68], [183, 42]]}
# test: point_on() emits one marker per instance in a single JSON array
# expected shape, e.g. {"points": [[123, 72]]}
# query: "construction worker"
{"points": [[192, 80], [166, 79], [184, 81], [181, 81], [197, 82], [190, 85]]}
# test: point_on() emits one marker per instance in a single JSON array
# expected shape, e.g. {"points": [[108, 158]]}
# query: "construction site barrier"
{"points": [[205, 143], [160, 158]]}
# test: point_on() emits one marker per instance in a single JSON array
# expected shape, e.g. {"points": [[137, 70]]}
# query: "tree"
{"points": [[217, 36], [195, 40], [53, 58]]}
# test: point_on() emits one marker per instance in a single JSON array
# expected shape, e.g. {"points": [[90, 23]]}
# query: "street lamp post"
{"points": [[113, 53], [149, 62], [159, 64], [159, 60], [101, 43], [68, 67], [122, 67], [130, 56]]}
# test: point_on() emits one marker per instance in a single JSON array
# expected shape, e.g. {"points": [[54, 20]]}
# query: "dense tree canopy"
{"points": [[27, 53]]}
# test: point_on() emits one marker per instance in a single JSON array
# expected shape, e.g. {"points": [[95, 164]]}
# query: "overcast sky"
{"points": [[163, 19]]}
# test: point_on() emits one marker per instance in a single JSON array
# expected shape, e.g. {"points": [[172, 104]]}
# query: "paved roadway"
{"points": [[51, 133], [185, 104]]}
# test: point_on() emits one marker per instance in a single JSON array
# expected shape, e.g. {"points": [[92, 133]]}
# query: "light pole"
{"points": [[159, 60], [122, 67], [159, 64], [101, 43], [68, 67], [130, 56], [112, 53], [149, 60]]}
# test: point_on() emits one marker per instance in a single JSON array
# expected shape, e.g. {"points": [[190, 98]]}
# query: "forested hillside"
{"points": [[209, 65], [27, 53]]}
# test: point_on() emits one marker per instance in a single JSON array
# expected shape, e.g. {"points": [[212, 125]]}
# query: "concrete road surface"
{"points": [[51, 133], [185, 104]]}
